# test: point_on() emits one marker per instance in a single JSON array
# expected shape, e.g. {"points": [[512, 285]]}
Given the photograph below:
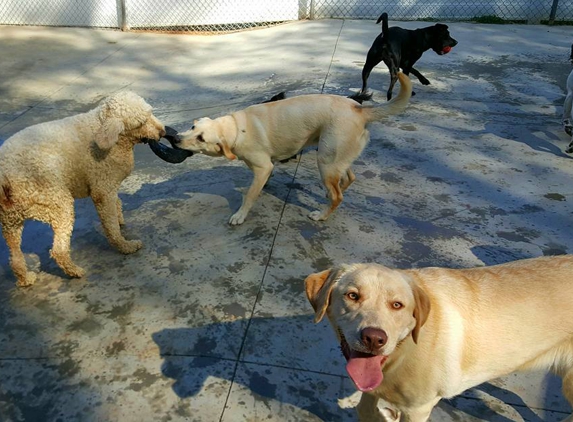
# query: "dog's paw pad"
{"points": [[237, 219], [568, 128], [76, 272], [28, 281], [131, 246]]}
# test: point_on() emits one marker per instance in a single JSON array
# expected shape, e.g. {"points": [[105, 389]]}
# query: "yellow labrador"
{"points": [[265, 133], [412, 337]]}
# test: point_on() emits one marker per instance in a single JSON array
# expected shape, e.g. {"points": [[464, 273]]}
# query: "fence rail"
{"points": [[230, 15]]}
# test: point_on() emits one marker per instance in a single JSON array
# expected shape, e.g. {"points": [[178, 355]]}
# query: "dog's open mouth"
{"points": [[365, 369], [172, 154], [445, 50]]}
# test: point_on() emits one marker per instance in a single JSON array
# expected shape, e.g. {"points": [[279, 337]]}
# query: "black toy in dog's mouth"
{"points": [[171, 154]]}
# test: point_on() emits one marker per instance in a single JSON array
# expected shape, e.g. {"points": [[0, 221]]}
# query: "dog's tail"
{"points": [[395, 106], [360, 97], [384, 18]]}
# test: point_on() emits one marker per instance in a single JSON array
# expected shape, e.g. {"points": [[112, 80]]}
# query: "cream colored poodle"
{"points": [[44, 167]]}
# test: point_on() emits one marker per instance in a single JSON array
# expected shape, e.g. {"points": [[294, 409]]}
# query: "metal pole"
{"points": [[122, 15], [553, 12], [311, 17]]}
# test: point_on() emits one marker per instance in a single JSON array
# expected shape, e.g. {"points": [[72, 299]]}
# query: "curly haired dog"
{"points": [[44, 167]]}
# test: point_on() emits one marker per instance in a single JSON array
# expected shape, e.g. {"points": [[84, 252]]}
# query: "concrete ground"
{"points": [[210, 322]]}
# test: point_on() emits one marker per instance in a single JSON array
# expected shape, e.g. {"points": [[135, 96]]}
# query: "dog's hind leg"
{"points": [[347, 179], [120, 218], [13, 236], [261, 175], [331, 179], [372, 59], [393, 79], [61, 218]]}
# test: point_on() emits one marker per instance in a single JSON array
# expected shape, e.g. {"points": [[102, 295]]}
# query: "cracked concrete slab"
{"points": [[210, 322]]}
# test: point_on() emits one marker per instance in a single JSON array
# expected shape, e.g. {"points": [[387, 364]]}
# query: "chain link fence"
{"points": [[200, 16]]}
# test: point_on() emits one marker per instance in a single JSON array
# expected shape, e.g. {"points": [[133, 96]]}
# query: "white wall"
{"points": [[181, 13]]}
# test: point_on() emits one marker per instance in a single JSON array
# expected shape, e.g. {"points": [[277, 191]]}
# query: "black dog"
{"points": [[400, 48]]}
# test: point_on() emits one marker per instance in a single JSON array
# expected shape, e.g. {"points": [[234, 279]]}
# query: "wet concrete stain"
{"points": [[555, 197], [390, 177], [115, 348], [308, 230], [144, 379], [374, 200], [489, 211], [443, 197], [528, 209], [322, 263], [236, 267], [257, 233], [384, 144], [235, 309], [69, 368], [368, 174], [366, 228], [417, 228], [295, 286], [520, 234], [120, 311], [436, 179], [408, 127], [554, 249], [87, 325]]}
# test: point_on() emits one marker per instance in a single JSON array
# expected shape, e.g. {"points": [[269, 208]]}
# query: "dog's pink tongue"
{"points": [[364, 369]]}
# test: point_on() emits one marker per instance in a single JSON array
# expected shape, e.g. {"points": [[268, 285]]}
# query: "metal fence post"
{"points": [[311, 15], [553, 12], [122, 15]]}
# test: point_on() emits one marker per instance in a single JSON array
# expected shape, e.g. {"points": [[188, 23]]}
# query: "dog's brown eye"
{"points": [[193, 127], [397, 305], [353, 296]]}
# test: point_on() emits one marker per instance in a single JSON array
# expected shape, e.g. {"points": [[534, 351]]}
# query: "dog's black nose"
{"points": [[172, 136], [373, 338]]}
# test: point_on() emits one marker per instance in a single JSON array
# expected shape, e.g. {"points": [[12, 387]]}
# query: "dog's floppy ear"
{"points": [[318, 287], [108, 133], [421, 310], [226, 151]]}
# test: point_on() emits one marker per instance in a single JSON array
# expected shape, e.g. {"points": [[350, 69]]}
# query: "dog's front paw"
{"points": [[27, 281], [130, 246], [317, 216], [75, 271], [424, 81], [237, 218]]}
